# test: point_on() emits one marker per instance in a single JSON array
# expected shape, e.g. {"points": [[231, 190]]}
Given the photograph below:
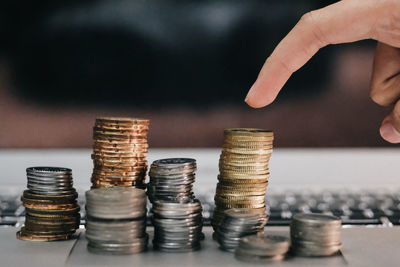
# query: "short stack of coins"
{"points": [[116, 220], [177, 226], [172, 180], [119, 152], [315, 235], [52, 212], [262, 248], [236, 224], [244, 172], [177, 214]]}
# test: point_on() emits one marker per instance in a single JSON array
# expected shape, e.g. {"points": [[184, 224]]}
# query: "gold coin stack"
{"points": [[244, 172], [119, 152]]}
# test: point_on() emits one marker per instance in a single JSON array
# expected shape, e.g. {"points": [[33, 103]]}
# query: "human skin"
{"points": [[343, 22]]}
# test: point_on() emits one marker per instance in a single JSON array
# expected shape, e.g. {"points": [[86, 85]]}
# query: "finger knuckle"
{"points": [[307, 18], [310, 21]]}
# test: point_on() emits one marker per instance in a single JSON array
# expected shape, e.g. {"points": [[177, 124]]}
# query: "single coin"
{"points": [[26, 235]]}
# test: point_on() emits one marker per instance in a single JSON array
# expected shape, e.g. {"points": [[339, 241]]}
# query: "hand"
{"points": [[342, 22]]}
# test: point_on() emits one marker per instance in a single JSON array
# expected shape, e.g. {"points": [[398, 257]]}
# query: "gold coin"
{"points": [[113, 126], [226, 180], [115, 179], [48, 207], [122, 120], [119, 134], [128, 149], [137, 154], [248, 151], [237, 142], [23, 235], [237, 156], [239, 193], [120, 142], [122, 146], [135, 161], [137, 171], [119, 138], [242, 164], [247, 145], [243, 187], [244, 168], [121, 168], [119, 130], [239, 205], [240, 198], [236, 175], [97, 183], [248, 132]]}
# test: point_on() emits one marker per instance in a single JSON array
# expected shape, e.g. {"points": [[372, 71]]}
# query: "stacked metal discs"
{"points": [[262, 249], [177, 226], [244, 172], [238, 223], [116, 220], [315, 234], [119, 152], [177, 217], [172, 180], [52, 212]]}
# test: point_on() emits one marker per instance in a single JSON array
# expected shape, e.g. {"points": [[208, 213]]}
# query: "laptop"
{"points": [[359, 185]]}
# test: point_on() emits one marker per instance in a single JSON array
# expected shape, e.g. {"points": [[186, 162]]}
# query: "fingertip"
{"points": [[258, 97], [389, 133]]}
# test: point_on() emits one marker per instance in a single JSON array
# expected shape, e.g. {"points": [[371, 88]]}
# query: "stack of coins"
{"points": [[244, 173], [177, 226], [172, 180], [262, 249], [315, 235], [52, 212], [236, 224], [116, 220], [119, 152]]}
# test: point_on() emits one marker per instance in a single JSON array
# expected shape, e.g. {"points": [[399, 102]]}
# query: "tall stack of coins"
{"points": [[119, 152], [244, 172], [315, 235], [262, 249], [52, 212], [172, 180], [116, 220], [177, 217], [238, 223]]}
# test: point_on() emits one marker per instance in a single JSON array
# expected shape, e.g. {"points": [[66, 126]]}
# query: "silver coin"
{"points": [[264, 245], [243, 256], [175, 161], [50, 170], [316, 219], [315, 234]]}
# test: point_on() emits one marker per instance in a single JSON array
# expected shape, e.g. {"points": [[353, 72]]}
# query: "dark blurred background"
{"points": [[185, 64]]}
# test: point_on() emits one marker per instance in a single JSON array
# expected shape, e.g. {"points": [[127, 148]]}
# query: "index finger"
{"points": [[344, 21]]}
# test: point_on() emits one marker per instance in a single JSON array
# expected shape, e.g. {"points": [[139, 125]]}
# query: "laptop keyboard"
{"points": [[353, 208]]}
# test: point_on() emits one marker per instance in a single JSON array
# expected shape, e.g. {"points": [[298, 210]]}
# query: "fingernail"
{"points": [[389, 133]]}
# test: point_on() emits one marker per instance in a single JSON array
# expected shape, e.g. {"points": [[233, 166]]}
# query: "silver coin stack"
{"points": [[50, 180], [177, 217], [237, 223], [116, 220], [171, 180], [315, 235], [262, 248], [177, 226]]}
